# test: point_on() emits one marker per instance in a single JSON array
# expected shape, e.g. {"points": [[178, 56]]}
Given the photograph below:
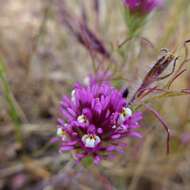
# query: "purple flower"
{"points": [[96, 121], [143, 7]]}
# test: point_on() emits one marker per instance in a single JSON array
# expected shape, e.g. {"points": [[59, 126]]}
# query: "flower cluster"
{"points": [[142, 7], [95, 121]]}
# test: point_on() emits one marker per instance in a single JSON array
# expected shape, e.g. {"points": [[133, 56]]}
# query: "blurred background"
{"points": [[41, 60]]}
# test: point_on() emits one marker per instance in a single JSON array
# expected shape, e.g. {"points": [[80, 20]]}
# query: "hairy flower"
{"points": [[142, 7], [95, 121]]}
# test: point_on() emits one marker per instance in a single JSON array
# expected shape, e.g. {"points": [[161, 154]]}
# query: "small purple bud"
{"points": [[142, 7], [100, 130]]}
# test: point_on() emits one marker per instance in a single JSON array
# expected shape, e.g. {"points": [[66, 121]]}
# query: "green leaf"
{"points": [[87, 162], [10, 102]]}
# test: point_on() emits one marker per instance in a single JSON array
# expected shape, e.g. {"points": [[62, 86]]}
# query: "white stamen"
{"points": [[73, 98], [59, 132], [90, 141], [126, 112], [82, 119], [114, 126]]}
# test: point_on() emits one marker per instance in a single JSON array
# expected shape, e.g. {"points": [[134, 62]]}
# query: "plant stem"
{"points": [[11, 103]]}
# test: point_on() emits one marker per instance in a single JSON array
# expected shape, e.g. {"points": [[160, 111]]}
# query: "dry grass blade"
{"points": [[142, 164], [157, 115]]}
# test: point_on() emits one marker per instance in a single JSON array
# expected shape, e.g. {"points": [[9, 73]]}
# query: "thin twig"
{"points": [[157, 115]]}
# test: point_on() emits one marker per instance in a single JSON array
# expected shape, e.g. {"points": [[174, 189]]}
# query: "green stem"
{"points": [[11, 103]]}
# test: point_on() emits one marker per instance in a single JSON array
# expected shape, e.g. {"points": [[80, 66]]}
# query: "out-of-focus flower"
{"points": [[135, 13], [103, 76], [185, 138], [95, 122], [142, 7], [79, 28]]}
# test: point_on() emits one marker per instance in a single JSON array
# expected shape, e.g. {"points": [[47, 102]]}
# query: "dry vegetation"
{"points": [[42, 60]]}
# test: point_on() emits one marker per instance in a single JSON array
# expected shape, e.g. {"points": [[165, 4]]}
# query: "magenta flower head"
{"points": [[95, 122], [142, 7]]}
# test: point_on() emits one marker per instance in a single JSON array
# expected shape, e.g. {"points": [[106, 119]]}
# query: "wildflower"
{"points": [[142, 7], [97, 122], [135, 14]]}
